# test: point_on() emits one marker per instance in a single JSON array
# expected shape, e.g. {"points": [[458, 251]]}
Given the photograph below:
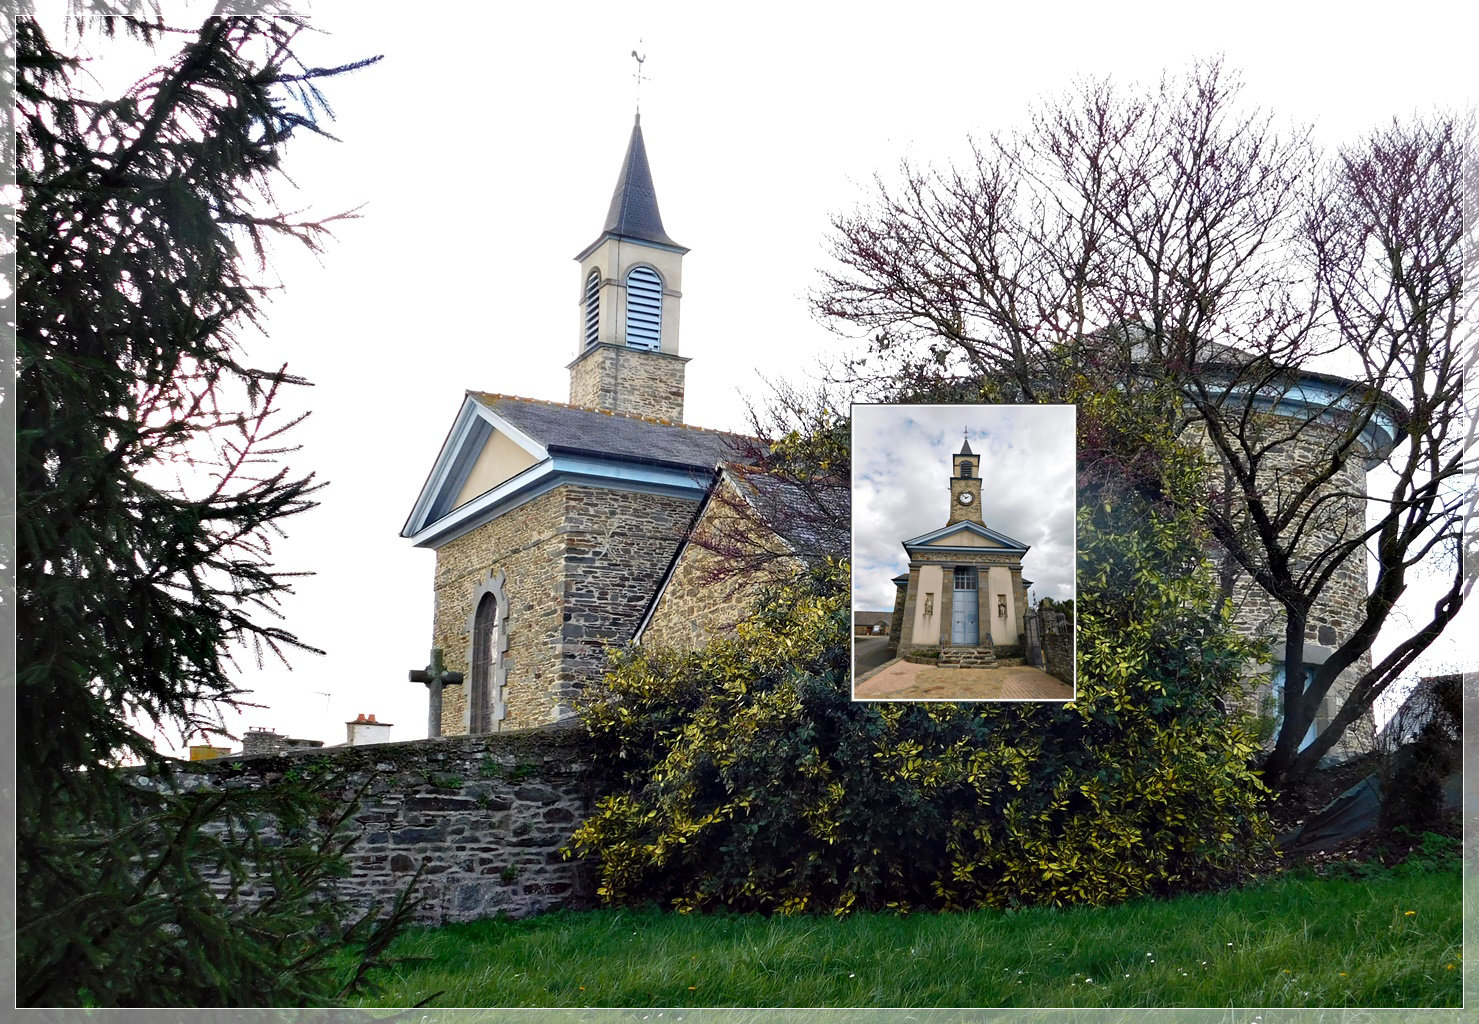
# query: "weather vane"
{"points": [[638, 76]]}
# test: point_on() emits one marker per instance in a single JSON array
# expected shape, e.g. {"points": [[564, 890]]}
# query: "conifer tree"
{"points": [[150, 484]]}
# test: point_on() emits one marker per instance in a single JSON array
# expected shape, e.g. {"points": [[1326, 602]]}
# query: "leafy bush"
{"points": [[743, 776]]}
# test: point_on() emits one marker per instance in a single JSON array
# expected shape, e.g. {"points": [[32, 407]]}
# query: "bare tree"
{"points": [[1305, 311], [781, 501]]}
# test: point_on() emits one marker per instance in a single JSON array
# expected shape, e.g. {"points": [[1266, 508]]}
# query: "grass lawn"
{"points": [[1390, 939]]}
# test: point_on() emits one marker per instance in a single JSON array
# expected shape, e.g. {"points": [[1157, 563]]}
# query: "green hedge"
{"points": [[743, 776]]}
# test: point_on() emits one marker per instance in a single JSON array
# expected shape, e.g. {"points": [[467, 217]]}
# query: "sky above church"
{"points": [[901, 488], [480, 155]]}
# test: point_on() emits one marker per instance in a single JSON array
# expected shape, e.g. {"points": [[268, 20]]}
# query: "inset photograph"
{"points": [[963, 552]]}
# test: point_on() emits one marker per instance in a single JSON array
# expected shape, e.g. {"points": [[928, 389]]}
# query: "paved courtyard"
{"points": [[904, 680]]}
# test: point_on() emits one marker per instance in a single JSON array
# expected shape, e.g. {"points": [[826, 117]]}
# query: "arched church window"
{"points": [[644, 308], [484, 655], [592, 307], [965, 470]]}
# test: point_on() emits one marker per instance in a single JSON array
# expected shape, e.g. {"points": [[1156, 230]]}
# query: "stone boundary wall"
{"points": [[896, 622], [485, 817], [1057, 645]]}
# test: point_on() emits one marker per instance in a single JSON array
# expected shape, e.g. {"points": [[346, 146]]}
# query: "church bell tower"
{"points": [[965, 486], [631, 281]]}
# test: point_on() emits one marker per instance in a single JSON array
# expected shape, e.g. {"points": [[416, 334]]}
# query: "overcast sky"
{"points": [[482, 152], [901, 487]]}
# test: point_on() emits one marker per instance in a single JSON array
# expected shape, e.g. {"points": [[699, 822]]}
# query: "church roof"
{"points": [[559, 443], [965, 448], [810, 519], [577, 429], [633, 213]]}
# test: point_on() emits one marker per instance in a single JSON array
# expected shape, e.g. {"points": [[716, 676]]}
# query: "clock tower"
{"points": [[965, 487]]}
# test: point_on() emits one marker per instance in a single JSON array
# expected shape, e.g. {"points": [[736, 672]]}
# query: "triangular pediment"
{"points": [[481, 452], [500, 459], [957, 536], [969, 539]]}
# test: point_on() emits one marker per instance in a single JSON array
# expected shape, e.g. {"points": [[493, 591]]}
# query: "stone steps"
{"points": [[968, 657]]}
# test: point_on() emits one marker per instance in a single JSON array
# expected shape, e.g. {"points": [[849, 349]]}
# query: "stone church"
{"points": [[562, 529], [964, 591]]}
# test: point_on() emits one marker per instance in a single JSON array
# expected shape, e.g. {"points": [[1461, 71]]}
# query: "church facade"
{"points": [[964, 592], [557, 525]]}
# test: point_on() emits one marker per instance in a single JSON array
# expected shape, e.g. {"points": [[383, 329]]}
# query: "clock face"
{"points": [[965, 497]]}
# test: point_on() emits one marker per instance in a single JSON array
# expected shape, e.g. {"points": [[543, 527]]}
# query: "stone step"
{"points": [[968, 657]]}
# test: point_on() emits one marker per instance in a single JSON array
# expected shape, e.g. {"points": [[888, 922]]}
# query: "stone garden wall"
{"points": [[485, 817], [1057, 644]]}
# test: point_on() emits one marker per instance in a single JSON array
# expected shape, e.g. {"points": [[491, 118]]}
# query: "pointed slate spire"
{"points": [[633, 213], [965, 448]]}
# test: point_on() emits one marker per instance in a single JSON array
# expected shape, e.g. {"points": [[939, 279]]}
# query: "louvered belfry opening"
{"points": [[644, 309], [592, 308], [485, 629]]}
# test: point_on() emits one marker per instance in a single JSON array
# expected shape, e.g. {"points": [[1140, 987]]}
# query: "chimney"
{"points": [[364, 731]]}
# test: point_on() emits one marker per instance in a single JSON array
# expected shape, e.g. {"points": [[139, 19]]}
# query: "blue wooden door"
{"points": [[965, 630]]}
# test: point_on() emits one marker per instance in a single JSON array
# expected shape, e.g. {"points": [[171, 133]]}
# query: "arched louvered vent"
{"points": [[644, 308], [592, 307]]}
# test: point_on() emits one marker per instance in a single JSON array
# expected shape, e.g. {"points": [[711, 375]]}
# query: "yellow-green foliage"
{"points": [[743, 776]]}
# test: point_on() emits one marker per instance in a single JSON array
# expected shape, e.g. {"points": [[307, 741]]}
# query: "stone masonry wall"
{"points": [[528, 544], [896, 623], [1057, 645], [629, 380], [483, 817], [1342, 604], [580, 565], [699, 604], [703, 598], [619, 544]]}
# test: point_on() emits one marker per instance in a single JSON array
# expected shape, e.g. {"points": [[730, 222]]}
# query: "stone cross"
{"points": [[435, 675]]}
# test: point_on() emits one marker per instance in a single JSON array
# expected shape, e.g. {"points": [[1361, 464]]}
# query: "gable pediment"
{"points": [[964, 538], [503, 451], [499, 459], [481, 453], [969, 536]]}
